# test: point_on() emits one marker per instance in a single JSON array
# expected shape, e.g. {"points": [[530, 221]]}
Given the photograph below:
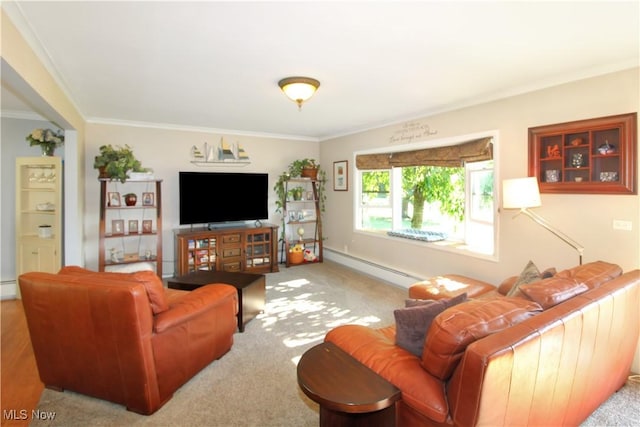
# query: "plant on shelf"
{"points": [[116, 162], [298, 169], [47, 139], [296, 193]]}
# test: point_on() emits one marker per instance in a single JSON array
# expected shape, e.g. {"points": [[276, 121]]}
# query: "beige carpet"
{"points": [[255, 383]]}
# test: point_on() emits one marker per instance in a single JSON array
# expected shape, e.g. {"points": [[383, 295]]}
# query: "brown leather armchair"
{"points": [[124, 337]]}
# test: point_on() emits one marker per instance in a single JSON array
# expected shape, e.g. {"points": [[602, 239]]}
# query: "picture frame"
{"points": [[341, 175], [113, 199], [147, 226], [148, 199], [117, 226], [133, 226]]}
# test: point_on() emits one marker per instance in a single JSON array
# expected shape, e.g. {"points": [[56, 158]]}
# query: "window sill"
{"points": [[452, 246]]}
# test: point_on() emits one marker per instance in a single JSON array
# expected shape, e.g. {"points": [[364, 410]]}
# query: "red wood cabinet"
{"points": [[586, 156]]}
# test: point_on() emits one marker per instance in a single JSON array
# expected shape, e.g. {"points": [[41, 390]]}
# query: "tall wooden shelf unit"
{"points": [[305, 215], [38, 203], [249, 249], [129, 245], [586, 156]]}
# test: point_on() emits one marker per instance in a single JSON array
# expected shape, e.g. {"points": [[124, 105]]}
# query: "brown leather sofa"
{"points": [[124, 337], [485, 363]]}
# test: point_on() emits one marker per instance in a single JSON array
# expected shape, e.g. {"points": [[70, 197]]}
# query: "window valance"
{"points": [[449, 156]]}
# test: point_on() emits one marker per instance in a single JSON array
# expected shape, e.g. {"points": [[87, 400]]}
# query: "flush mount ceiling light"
{"points": [[299, 89]]}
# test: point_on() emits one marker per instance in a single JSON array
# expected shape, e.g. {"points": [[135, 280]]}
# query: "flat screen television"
{"points": [[219, 197]]}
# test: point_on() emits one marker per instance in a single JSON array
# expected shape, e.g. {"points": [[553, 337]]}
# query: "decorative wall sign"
{"points": [[410, 132], [225, 153]]}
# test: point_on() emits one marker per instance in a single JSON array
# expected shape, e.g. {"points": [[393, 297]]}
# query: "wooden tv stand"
{"points": [[247, 248]]}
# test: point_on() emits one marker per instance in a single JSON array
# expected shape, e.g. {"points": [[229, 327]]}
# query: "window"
{"points": [[453, 201]]}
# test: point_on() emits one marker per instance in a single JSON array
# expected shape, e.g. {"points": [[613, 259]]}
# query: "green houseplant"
{"points": [[47, 139], [297, 169], [116, 162]]}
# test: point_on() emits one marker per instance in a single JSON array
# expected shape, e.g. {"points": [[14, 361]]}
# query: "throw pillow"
{"points": [[458, 299], [412, 324], [457, 327], [414, 302], [553, 291], [530, 274], [549, 272]]}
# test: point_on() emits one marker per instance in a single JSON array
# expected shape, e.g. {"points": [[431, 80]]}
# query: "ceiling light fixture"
{"points": [[299, 89]]}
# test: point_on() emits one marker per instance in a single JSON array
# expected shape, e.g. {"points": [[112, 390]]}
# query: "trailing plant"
{"points": [[116, 162], [294, 170]]}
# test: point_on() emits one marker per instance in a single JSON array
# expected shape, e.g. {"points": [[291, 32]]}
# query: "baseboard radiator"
{"points": [[371, 268]]}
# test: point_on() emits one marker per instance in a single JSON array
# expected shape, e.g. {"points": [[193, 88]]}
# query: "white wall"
{"points": [[167, 152], [585, 217]]}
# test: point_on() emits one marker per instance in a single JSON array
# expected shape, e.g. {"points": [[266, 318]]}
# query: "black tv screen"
{"points": [[216, 197]]}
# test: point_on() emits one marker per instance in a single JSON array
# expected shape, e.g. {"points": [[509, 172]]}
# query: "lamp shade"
{"points": [[520, 193], [299, 89]]}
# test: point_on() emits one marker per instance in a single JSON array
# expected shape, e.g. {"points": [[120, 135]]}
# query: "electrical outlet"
{"points": [[619, 224]]}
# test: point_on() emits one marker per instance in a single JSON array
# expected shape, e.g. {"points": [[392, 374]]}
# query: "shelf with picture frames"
{"points": [[130, 226], [596, 156], [302, 222]]}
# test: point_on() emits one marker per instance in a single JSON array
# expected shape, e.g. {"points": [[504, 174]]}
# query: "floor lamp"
{"points": [[523, 193]]}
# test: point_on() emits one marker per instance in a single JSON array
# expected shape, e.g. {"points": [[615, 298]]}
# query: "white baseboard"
{"points": [[8, 290], [382, 272]]}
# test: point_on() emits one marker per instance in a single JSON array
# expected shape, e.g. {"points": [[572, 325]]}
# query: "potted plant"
{"points": [[296, 193], [296, 170], [47, 139], [116, 162]]}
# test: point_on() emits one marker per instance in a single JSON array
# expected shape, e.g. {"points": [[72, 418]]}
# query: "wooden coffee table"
{"points": [[349, 393], [251, 289]]}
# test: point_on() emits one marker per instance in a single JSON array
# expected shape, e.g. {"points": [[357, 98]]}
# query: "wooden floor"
{"points": [[21, 387]]}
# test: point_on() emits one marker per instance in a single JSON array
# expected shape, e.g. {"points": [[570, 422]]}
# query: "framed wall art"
{"points": [[117, 226], [113, 199], [147, 226], [340, 175], [147, 199], [133, 226]]}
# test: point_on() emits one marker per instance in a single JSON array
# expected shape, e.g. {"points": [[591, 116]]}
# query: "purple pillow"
{"points": [[412, 324]]}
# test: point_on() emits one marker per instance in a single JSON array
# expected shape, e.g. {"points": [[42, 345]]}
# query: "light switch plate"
{"points": [[619, 224]]}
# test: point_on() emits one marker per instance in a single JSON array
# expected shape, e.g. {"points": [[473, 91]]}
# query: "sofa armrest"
{"points": [[193, 304], [449, 286]]}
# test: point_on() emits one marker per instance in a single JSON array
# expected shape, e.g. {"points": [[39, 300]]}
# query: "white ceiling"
{"points": [[215, 65]]}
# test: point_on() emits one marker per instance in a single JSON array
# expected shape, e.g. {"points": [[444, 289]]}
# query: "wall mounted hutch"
{"points": [[586, 156]]}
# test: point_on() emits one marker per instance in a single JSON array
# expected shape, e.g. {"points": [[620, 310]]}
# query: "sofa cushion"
{"points": [[508, 283], [553, 291], [592, 274], [449, 286], [457, 327], [151, 282], [530, 274], [413, 321]]}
